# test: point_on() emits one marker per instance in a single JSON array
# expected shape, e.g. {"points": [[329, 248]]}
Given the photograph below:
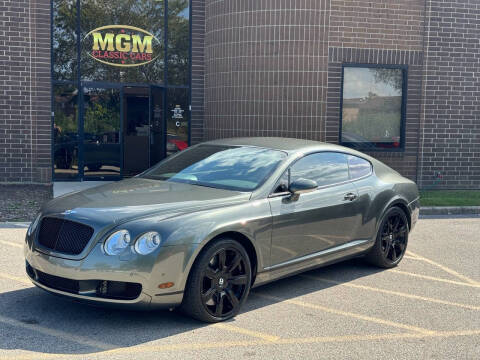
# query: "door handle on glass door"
{"points": [[350, 196]]}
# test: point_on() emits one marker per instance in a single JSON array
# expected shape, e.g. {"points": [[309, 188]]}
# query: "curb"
{"points": [[450, 210], [14, 225]]}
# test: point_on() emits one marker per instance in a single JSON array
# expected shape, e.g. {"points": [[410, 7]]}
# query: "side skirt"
{"points": [[309, 262]]}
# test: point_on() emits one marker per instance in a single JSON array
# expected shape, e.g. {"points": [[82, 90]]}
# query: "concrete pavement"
{"points": [[427, 307]]}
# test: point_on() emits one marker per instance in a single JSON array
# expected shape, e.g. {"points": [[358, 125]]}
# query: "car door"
{"points": [[318, 220]]}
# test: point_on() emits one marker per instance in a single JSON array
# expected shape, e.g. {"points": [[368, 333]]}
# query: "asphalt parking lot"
{"points": [[428, 307]]}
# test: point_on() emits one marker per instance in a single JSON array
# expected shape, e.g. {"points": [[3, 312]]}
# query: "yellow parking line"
{"points": [[82, 340], [410, 257], [23, 280], [240, 330], [426, 277], [155, 349], [9, 243], [346, 313], [444, 268], [396, 293]]}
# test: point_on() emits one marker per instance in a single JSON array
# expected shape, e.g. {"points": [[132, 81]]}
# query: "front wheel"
{"points": [[392, 239], [219, 282]]}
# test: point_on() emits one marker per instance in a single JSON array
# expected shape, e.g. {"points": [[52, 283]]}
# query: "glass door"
{"points": [[157, 124], [136, 130]]}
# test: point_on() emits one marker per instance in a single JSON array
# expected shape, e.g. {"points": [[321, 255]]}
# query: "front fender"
{"points": [[251, 220]]}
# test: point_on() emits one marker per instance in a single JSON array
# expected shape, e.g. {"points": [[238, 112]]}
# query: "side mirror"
{"points": [[302, 186]]}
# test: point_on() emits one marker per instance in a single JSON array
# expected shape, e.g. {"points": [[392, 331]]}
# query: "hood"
{"points": [[137, 197]]}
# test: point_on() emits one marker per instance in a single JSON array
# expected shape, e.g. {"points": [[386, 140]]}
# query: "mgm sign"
{"points": [[122, 45]]}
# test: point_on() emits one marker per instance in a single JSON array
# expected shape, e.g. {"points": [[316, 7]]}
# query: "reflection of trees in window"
{"points": [[391, 77], [144, 14], [178, 41], [65, 131], [65, 110], [64, 39], [102, 112]]}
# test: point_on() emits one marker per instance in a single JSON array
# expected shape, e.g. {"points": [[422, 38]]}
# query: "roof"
{"points": [[289, 145]]}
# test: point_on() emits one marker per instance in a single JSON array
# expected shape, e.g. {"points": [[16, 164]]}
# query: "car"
{"points": [[198, 230]]}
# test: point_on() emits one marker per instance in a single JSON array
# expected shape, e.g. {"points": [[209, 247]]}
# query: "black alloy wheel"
{"points": [[392, 239], [224, 282], [219, 282], [394, 236]]}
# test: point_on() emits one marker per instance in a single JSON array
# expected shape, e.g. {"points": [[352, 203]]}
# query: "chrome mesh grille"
{"points": [[64, 236]]}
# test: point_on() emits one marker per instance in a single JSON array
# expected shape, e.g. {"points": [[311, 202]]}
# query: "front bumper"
{"points": [[97, 270]]}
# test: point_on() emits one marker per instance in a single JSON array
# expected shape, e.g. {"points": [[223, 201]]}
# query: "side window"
{"points": [[325, 168], [358, 167]]}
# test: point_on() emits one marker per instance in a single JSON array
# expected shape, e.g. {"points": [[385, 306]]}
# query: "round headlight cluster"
{"points": [[117, 242], [147, 243], [120, 240]]}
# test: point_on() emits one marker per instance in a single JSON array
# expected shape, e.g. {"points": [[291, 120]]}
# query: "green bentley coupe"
{"points": [[198, 230]]}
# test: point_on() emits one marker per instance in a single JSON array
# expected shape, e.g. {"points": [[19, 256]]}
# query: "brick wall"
{"points": [[25, 121], [378, 32], [377, 24], [449, 156], [265, 68]]}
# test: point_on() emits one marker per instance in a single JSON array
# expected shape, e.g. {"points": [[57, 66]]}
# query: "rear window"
{"points": [[358, 167]]}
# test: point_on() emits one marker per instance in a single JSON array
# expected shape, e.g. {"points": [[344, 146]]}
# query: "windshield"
{"points": [[225, 167]]}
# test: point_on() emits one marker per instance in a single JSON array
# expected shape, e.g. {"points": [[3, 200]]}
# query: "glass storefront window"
{"points": [[373, 107], [178, 120], [64, 39], [122, 41], [178, 41], [65, 132], [101, 144], [118, 107]]}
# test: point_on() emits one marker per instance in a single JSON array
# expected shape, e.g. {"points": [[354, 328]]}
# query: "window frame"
{"points": [[273, 194], [403, 108]]}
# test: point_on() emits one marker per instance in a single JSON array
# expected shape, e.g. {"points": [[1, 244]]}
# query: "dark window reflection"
{"points": [[324, 168], [178, 120], [178, 41], [372, 107], [64, 39], [65, 135], [358, 167], [113, 53], [102, 132]]}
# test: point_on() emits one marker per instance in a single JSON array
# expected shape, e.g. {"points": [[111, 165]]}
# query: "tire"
{"points": [[214, 292], [392, 239]]}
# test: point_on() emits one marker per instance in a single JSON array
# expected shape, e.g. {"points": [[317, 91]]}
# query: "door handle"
{"points": [[350, 197]]}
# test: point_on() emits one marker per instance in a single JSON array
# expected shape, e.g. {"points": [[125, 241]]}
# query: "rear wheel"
{"points": [[392, 239], [219, 282]]}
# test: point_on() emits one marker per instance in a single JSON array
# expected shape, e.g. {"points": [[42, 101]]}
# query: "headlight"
{"points": [[117, 242], [33, 225], [147, 242]]}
